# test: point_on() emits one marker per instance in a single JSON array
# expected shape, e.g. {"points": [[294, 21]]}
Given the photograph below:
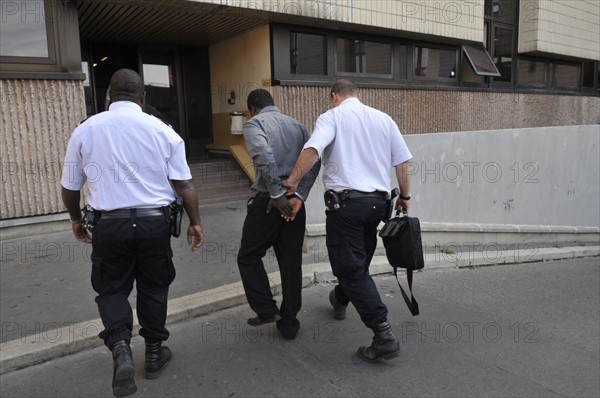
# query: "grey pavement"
{"points": [[522, 330], [47, 308], [45, 279]]}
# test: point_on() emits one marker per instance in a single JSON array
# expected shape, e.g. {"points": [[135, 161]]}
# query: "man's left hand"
{"points": [[195, 236], [282, 204]]}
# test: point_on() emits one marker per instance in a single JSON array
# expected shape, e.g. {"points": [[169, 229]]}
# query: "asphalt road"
{"points": [[522, 330]]}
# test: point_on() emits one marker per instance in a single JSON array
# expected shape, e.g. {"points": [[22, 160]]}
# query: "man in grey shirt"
{"points": [[274, 141]]}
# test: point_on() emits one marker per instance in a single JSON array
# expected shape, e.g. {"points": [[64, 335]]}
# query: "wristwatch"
{"points": [[404, 197]]}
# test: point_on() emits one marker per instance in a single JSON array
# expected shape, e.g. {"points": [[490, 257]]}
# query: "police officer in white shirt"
{"points": [[357, 145], [129, 160]]}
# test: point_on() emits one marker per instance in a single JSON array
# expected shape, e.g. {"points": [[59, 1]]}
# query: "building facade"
{"points": [[443, 67]]}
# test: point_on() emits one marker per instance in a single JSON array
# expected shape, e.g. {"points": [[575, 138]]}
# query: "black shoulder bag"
{"points": [[401, 237]]}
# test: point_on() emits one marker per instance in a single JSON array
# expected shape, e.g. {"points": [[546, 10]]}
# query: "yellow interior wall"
{"points": [[240, 64]]}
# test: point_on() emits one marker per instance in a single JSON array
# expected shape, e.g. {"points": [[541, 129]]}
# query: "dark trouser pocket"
{"points": [[96, 273]]}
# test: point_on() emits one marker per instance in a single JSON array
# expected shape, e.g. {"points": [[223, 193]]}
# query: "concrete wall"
{"points": [[37, 118], [535, 176], [563, 27], [460, 19], [439, 111]]}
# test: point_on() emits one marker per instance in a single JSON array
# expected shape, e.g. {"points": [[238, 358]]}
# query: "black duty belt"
{"points": [[354, 194], [133, 213]]}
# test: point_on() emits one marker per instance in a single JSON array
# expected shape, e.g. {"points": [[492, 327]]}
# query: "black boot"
{"points": [[157, 358], [339, 310], [124, 371], [385, 345]]}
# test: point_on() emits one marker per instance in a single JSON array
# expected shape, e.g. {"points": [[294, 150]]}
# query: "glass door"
{"points": [[160, 78], [196, 90], [99, 61], [177, 83]]}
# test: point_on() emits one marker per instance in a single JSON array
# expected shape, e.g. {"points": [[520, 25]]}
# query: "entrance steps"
{"points": [[219, 180]]}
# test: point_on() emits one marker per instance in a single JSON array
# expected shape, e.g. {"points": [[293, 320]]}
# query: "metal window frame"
{"points": [[336, 72], [451, 81], [64, 56], [467, 47], [325, 46]]}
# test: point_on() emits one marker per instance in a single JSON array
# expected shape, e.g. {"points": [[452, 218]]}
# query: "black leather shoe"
{"points": [[123, 383], [384, 346], [157, 359], [289, 328], [257, 320], [339, 310]]}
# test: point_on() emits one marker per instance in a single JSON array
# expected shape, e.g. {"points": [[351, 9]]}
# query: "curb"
{"points": [[54, 343]]}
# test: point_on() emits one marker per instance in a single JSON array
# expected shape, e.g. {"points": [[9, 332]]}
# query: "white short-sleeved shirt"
{"points": [[358, 146], [127, 158]]}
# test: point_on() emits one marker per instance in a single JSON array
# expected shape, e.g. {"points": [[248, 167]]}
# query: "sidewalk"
{"points": [[47, 302], [514, 330]]}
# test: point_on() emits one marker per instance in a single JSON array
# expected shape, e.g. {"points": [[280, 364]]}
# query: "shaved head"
{"points": [[345, 88], [126, 85]]}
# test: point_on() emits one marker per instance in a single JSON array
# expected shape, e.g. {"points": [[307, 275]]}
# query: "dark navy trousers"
{"points": [[351, 242], [124, 251]]}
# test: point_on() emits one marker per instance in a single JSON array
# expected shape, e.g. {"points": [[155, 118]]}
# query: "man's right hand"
{"points": [[81, 234], [402, 205], [291, 186], [296, 203], [283, 206]]}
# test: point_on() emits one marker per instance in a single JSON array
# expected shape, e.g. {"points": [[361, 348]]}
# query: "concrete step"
{"points": [[219, 181], [215, 165], [217, 177]]}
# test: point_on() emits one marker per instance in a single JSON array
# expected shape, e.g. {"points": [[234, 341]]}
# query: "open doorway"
{"points": [[177, 84], [106, 60]]}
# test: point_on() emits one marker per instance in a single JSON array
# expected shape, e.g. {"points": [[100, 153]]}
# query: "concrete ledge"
{"points": [[14, 222], [54, 343], [41, 347], [452, 234], [319, 229], [432, 233], [26, 226]]}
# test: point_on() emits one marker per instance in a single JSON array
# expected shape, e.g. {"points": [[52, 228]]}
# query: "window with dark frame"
{"points": [[35, 40], [588, 75], [502, 10], [566, 76], [363, 57], [401, 54], [434, 62], [501, 22], [480, 60], [23, 33], [469, 77], [308, 54], [503, 53], [533, 73], [379, 58], [493, 63]]}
